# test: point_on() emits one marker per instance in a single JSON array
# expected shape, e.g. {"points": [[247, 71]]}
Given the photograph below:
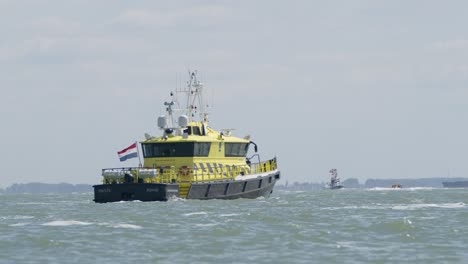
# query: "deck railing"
{"points": [[184, 174]]}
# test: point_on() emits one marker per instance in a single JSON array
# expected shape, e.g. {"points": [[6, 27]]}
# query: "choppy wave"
{"points": [[17, 217], [382, 189], [66, 223], [419, 188], [290, 227], [19, 224], [80, 223], [130, 226], [35, 203], [195, 213], [356, 207], [124, 202], [206, 225], [176, 199], [425, 205], [227, 215], [400, 189], [395, 207]]}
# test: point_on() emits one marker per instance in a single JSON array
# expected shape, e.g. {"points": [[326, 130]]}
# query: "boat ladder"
{"points": [[184, 189]]}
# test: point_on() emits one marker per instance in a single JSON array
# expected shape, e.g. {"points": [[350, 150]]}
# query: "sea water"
{"points": [[330, 226]]}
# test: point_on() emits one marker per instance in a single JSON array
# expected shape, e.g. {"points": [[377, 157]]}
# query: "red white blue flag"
{"points": [[128, 153]]}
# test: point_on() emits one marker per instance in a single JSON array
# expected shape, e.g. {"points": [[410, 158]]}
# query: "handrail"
{"points": [[170, 174]]}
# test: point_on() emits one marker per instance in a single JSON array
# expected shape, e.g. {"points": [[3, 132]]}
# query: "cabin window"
{"points": [[181, 149], [188, 131], [192, 130], [235, 149], [196, 130], [202, 149]]}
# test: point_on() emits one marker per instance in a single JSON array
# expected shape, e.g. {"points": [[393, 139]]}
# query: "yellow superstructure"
{"points": [[198, 154]]}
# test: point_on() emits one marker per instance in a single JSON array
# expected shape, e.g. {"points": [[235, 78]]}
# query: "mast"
{"points": [[191, 102], [187, 103], [195, 101]]}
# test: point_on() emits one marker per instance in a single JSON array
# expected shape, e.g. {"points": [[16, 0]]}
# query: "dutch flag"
{"points": [[128, 153]]}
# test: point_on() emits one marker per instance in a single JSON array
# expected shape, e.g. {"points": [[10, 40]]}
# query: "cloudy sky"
{"points": [[376, 89]]}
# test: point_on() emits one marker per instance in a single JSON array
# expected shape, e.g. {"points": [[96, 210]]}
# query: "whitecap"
{"points": [[131, 201], [195, 213], [66, 223], [17, 217], [384, 189], [175, 199], [20, 217], [206, 225], [355, 207], [419, 188], [407, 221], [422, 206], [400, 189], [452, 205], [130, 226], [113, 225], [227, 215], [19, 224]]}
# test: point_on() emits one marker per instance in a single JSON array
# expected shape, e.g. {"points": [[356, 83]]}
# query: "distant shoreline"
{"points": [[38, 187], [373, 183]]}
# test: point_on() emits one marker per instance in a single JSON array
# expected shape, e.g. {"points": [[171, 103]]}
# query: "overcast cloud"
{"points": [[376, 89]]}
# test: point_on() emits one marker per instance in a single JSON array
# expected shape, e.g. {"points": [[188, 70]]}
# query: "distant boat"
{"points": [[397, 186], [455, 184], [334, 180]]}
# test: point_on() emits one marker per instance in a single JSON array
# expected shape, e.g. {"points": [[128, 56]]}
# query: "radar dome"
{"points": [[183, 121], [162, 121]]}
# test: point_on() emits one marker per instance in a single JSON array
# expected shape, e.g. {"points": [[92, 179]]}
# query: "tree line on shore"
{"points": [[372, 183], [37, 187]]}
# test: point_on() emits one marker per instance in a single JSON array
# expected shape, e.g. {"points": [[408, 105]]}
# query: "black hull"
{"points": [[250, 188], [105, 193]]}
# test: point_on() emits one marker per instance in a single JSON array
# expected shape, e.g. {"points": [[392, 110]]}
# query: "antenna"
{"points": [[212, 97], [190, 104]]}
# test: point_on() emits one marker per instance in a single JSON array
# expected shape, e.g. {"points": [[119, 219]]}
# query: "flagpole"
{"points": [[138, 154]]}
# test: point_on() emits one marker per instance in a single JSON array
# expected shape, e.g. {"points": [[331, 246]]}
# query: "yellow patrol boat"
{"points": [[190, 160]]}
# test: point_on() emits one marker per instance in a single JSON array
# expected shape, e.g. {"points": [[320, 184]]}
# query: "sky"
{"points": [[373, 88]]}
